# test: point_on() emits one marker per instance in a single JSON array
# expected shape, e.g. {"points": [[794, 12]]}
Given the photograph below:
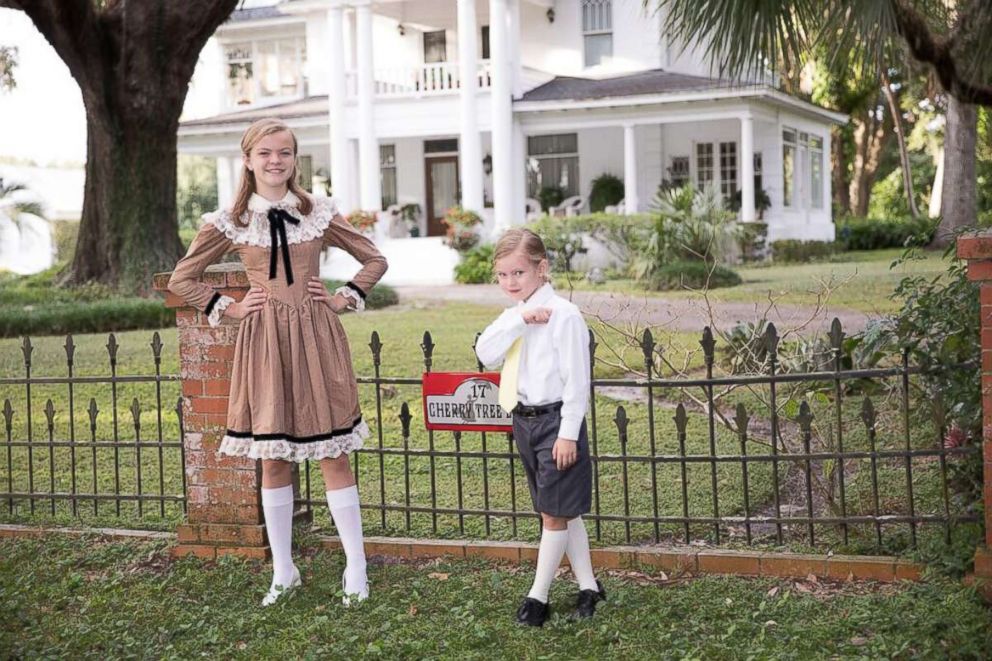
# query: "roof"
{"points": [[309, 107], [655, 81], [255, 14]]}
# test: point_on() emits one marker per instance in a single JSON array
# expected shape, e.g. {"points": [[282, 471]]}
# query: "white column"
{"points": [[470, 142], [502, 116], [368, 146], [340, 170], [513, 40], [518, 172], [228, 177], [630, 202], [747, 169]]}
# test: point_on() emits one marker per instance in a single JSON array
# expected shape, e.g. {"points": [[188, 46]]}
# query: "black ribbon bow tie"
{"points": [[277, 231]]}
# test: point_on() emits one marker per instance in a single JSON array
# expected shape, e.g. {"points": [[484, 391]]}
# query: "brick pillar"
{"points": [[223, 497], [976, 249]]}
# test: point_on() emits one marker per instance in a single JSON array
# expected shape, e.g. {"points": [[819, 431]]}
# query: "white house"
{"points": [[485, 102]]}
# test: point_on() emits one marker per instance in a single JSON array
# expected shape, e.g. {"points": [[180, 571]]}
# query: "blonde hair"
{"points": [[522, 240], [253, 134]]}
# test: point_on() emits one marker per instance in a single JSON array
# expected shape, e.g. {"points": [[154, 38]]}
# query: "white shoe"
{"points": [[361, 595], [278, 591]]}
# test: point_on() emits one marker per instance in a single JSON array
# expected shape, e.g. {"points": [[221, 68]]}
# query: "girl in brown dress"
{"points": [[293, 392]]}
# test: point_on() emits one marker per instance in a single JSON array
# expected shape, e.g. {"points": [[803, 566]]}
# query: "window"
{"points": [[442, 146], [678, 174], [728, 169], [304, 172], [816, 171], [788, 167], [387, 174], [485, 42], [553, 160], [597, 31], [258, 70], [435, 49], [704, 165]]}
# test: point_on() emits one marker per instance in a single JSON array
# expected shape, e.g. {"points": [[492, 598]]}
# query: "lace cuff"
{"points": [[357, 302], [217, 311]]}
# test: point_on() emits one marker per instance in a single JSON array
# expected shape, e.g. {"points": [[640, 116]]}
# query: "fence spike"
{"points": [[647, 348], [405, 418], [592, 346], [709, 346], [427, 346], [375, 344], [8, 415], [475, 343], [136, 413], [868, 413], [621, 421], [741, 418], [112, 349], [26, 349], [50, 413], [156, 347], [70, 349], [93, 411], [680, 418], [179, 410], [805, 417], [836, 334], [771, 341]]}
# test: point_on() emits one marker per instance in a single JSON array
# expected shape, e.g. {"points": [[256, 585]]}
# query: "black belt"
{"points": [[534, 411]]}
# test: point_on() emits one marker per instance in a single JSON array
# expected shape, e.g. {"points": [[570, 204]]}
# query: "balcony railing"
{"points": [[422, 80]]}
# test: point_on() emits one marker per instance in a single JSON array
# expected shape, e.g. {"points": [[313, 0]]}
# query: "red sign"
{"points": [[464, 401]]}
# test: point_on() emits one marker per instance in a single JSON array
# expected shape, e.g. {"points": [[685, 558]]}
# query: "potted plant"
{"points": [[363, 221], [461, 233], [410, 213]]}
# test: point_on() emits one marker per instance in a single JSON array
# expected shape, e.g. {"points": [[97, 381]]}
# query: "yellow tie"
{"points": [[508, 376]]}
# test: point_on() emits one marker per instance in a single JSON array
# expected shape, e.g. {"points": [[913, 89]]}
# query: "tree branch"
{"points": [[937, 52]]}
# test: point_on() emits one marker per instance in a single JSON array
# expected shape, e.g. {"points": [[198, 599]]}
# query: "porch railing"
{"points": [[421, 80]]}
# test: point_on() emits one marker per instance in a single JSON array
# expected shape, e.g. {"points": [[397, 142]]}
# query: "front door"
{"points": [[442, 190]]}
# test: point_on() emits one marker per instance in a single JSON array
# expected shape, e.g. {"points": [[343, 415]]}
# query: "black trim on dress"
{"points": [[295, 439], [355, 288], [212, 303]]}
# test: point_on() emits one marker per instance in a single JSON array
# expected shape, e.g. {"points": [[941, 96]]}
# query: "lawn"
{"points": [[862, 281], [82, 597]]}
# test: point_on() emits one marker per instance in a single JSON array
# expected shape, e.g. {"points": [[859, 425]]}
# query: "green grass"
{"points": [[861, 281], [83, 597]]}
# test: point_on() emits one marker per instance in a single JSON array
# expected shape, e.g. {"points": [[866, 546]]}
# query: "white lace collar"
{"points": [[256, 232], [262, 205]]}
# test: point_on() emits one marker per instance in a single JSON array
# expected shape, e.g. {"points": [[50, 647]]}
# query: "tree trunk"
{"points": [[959, 206], [907, 171], [870, 136], [842, 192], [128, 229]]}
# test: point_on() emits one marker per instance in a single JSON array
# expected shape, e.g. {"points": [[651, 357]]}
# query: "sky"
{"points": [[41, 119]]}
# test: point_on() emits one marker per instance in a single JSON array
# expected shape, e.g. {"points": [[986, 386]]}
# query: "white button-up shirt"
{"points": [[554, 362]]}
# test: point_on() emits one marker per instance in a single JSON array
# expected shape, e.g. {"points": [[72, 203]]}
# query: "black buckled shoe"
{"points": [[532, 613], [585, 605]]}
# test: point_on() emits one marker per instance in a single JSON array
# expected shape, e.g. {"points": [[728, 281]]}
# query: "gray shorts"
{"points": [[565, 493]]}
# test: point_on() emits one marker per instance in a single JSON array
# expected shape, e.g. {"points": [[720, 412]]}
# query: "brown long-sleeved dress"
{"points": [[293, 391]]}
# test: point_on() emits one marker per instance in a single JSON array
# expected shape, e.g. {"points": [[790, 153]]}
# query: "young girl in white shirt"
{"points": [[543, 343]]}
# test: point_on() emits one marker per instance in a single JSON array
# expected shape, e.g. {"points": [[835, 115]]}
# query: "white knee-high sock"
{"points": [[549, 555], [577, 550], [278, 507], [347, 516]]}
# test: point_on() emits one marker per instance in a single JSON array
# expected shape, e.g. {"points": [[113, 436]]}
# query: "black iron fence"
{"points": [[94, 461], [838, 456]]}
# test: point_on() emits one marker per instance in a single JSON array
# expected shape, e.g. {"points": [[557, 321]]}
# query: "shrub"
{"points": [[877, 233], [363, 221], [761, 202], [563, 239], [476, 266], [116, 314], [793, 250], [607, 190], [691, 275], [753, 241], [381, 296]]}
